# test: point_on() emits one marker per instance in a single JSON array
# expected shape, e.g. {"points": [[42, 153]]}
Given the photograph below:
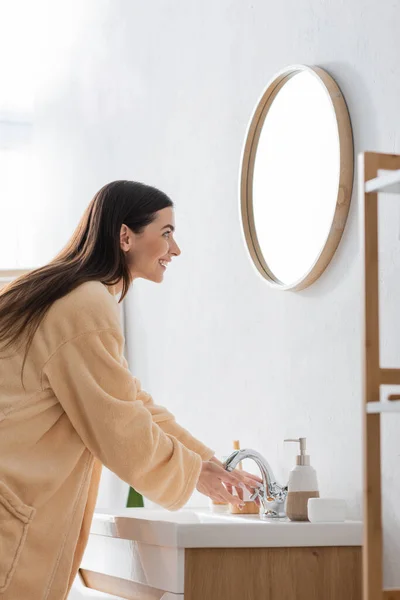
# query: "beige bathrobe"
{"points": [[80, 408]]}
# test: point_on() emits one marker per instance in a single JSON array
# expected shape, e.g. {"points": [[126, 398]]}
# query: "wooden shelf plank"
{"points": [[389, 376], [388, 183], [391, 595]]}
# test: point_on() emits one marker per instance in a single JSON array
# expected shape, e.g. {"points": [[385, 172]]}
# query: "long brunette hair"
{"points": [[93, 253]]}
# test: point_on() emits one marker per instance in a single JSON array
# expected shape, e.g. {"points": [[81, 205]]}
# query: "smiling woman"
{"points": [[68, 403]]}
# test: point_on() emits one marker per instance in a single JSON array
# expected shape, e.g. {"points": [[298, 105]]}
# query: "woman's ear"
{"points": [[125, 238]]}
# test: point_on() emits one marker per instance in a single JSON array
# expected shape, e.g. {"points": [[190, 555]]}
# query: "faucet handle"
{"points": [[258, 492]]}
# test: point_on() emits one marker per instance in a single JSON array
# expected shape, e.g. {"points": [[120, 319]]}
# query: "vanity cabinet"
{"points": [[315, 573], [196, 555]]}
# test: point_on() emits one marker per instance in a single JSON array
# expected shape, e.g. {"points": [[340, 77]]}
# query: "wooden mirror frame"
{"points": [[345, 186]]}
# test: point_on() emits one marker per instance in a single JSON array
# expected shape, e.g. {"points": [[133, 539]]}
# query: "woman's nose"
{"points": [[174, 249]]}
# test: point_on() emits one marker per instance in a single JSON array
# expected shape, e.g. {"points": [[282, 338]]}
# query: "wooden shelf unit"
{"points": [[371, 183]]}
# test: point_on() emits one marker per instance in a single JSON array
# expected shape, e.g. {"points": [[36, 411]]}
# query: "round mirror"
{"points": [[297, 177]]}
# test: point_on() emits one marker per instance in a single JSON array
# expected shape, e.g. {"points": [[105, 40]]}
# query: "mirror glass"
{"points": [[296, 177], [293, 178]]}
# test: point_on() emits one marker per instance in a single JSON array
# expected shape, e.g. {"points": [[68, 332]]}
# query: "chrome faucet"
{"points": [[271, 494]]}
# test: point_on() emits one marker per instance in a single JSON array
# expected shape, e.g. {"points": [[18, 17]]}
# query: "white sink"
{"points": [[201, 528]]}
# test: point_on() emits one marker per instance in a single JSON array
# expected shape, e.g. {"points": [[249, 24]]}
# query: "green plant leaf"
{"points": [[135, 499]]}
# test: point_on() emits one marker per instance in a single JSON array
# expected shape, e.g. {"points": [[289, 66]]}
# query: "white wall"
{"points": [[162, 92]]}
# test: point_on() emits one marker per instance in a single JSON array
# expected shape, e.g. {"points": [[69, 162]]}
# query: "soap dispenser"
{"points": [[302, 485]]}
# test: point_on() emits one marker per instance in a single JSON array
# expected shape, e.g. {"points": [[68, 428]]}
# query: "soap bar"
{"points": [[326, 510]]}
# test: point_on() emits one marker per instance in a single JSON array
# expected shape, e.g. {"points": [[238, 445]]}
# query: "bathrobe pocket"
{"points": [[15, 517]]}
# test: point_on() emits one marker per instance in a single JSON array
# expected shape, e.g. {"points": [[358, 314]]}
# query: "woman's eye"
{"points": [[166, 234]]}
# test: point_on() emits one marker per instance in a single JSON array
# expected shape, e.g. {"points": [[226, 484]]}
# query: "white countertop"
{"points": [[201, 528]]}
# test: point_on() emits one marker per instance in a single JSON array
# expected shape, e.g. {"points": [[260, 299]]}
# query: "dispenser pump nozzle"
{"points": [[302, 459]]}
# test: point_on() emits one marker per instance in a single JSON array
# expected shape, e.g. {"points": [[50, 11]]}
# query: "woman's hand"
{"points": [[247, 480], [214, 481]]}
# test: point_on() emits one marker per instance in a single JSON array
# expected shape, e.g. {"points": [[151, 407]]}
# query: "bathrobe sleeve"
{"points": [[101, 399], [168, 424]]}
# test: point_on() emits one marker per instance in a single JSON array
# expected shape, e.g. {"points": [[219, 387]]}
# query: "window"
{"points": [[16, 127]]}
